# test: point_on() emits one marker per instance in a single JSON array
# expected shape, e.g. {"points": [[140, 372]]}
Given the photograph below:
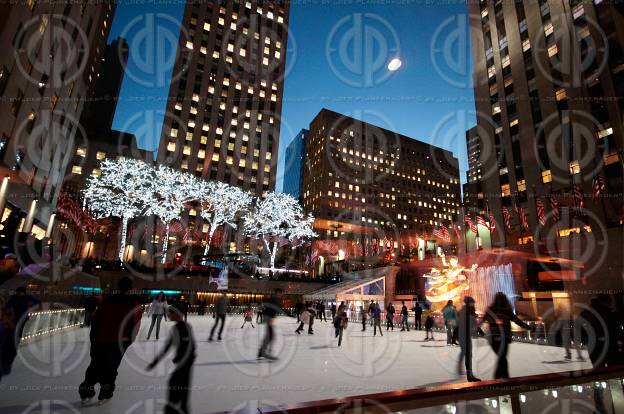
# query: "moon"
{"points": [[394, 64]]}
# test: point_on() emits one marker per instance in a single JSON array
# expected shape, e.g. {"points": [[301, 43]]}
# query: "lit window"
{"points": [[521, 185], [575, 167], [189, 45], [546, 176], [76, 169], [201, 154], [552, 51], [215, 157], [96, 172], [505, 190], [207, 27], [548, 29], [171, 146], [604, 133], [81, 151], [611, 158], [187, 150], [100, 155], [560, 94]]}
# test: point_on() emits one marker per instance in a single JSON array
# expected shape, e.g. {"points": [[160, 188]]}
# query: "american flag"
{"points": [[541, 211], [457, 233], [481, 221], [579, 202], [507, 217], [554, 206], [470, 223], [598, 187], [524, 221], [492, 221], [442, 233]]}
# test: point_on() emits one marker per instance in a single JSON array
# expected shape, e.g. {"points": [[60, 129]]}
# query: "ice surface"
{"points": [[227, 374]]}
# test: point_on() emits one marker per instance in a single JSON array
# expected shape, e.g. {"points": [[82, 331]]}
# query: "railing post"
{"points": [[509, 404]]}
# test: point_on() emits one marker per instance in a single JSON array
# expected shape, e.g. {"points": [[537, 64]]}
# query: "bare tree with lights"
{"points": [[172, 190], [277, 219], [124, 189], [221, 204]]}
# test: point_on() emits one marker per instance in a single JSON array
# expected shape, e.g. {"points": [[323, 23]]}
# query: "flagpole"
{"points": [[539, 231]]}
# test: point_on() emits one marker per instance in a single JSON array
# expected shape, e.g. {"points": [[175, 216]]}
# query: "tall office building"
{"points": [[50, 62], [472, 191], [223, 116], [294, 165], [549, 81], [365, 182]]}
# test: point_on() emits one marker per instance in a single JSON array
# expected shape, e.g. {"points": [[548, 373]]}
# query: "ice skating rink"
{"points": [[227, 375]]}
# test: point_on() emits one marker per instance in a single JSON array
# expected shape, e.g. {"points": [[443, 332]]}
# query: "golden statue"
{"points": [[446, 283]]}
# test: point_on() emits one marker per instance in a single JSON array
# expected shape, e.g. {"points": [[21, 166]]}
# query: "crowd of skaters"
{"points": [[115, 321]]}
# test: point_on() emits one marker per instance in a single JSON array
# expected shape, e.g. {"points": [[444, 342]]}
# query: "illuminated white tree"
{"points": [[172, 190], [221, 204], [277, 219], [124, 189]]}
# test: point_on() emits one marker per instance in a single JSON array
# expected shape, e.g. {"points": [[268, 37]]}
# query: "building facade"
{"points": [[224, 112], [549, 77], [294, 165], [50, 62], [365, 183], [472, 191]]}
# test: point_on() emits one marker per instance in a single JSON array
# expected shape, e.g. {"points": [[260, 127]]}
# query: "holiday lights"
{"points": [[221, 204], [278, 218], [124, 189]]}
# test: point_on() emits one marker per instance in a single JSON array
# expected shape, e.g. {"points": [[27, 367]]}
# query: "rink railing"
{"points": [[47, 322], [599, 389]]}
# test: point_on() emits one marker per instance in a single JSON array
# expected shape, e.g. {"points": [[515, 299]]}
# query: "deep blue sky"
{"points": [[430, 98]]}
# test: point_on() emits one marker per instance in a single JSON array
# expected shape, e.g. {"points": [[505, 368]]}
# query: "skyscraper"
{"points": [[549, 79], [366, 183], [50, 62], [294, 165], [223, 115]]}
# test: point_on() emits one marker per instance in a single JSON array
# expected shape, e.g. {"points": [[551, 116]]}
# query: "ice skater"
{"points": [[114, 326], [220, 311], [363, 313], [340, 324], [181, 338], [450, 322], [404, 314], [376, 314], [499, 317], [304, 318], [157, 311], [428, 323], [248, 317], [390, 317], [417, 317], [271, 309], [468, 326]]}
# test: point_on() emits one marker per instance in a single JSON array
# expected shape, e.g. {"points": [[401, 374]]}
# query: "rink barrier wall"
{"points": [[509, 394], [49, 322]]}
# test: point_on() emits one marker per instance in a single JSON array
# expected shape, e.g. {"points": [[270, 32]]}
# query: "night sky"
{"points": [[337, 57]]}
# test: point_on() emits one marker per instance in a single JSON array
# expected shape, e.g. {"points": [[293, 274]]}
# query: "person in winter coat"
{"points": [[248, 317], [157, 311], [404, 321], [340, 324], [179, 382], [390, 317], [304, 318], [376, 313], [114, 327], [450, 322], [467, 327], [499, 317], [428, 323]]}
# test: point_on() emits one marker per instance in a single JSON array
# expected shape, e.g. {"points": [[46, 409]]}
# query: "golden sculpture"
{"points": [[447, 283]]}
